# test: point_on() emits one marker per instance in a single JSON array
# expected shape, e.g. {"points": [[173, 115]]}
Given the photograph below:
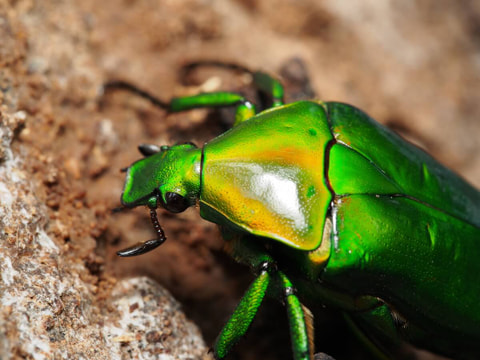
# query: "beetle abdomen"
{"points": [[421, 261], [415, 172]]}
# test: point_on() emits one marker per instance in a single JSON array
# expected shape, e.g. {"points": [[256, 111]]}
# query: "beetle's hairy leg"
{"points": [[149, 245], [300, 321], [242, 317]]}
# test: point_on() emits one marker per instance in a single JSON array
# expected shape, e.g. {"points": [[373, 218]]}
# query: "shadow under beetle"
{"points": [[325, 204]]}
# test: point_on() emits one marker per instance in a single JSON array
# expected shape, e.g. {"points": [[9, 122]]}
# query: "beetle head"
{"points": [[169, 177]]}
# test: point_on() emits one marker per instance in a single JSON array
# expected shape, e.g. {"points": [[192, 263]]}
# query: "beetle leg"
{"points": [[299, 320], [242, 317], [245, 109], [299, 317], [270, 86], [262, 81]]}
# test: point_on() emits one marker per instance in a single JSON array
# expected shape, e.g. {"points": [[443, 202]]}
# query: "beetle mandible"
{"points": [[325, 204]]}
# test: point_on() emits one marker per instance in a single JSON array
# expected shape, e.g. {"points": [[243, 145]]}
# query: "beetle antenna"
{"points": [[149, 245], [123, 85], [118, 209]]}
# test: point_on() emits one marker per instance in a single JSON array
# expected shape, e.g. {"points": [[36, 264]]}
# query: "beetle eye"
{"points": [[175, 202]]}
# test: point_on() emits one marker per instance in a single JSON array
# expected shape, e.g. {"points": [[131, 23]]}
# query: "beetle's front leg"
{"points": [[243, 315], [272, 280], [300, 320]]}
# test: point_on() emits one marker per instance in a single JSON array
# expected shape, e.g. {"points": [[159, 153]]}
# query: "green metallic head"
{"points": [[167, 176]]}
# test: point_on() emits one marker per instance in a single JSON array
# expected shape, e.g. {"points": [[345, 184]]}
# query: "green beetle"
{"points": [[326, 205]]}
